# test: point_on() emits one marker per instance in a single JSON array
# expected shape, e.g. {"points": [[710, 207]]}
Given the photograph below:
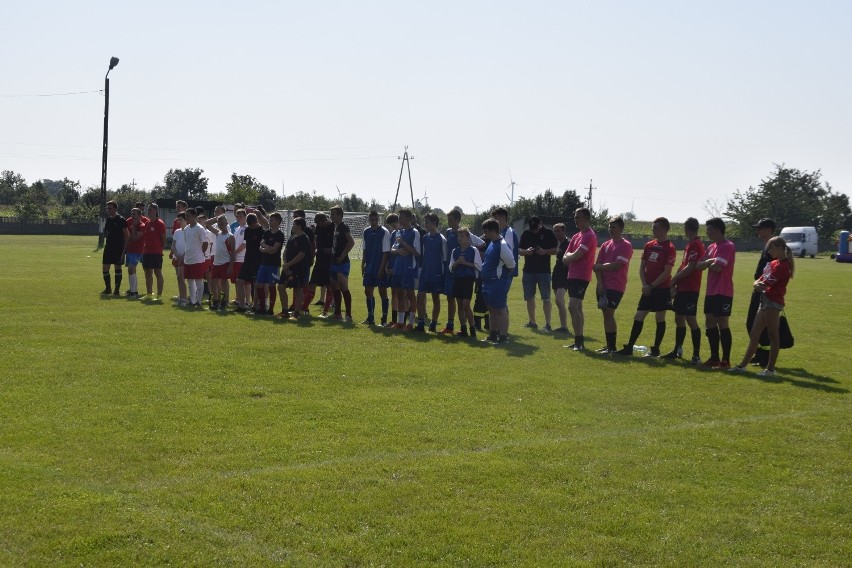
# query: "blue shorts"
{"points": [[267, 274], [403, 281], [371, 281], [531, 280], [431, 286], [496, 293], [133, 258], [336, 269], [449, 283]]}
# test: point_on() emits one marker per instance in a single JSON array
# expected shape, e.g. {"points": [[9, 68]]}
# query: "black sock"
{"points": [[118, 275], [394, 314], [696, 341], [635, 332], [106, 281], [713, 339], [660, 334], [610, 340], [579, 340], [726, 340], [680, 335]]}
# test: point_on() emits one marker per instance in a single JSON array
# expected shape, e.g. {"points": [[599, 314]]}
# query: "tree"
{"points": [[183, 184], [791, 197], [69, 192], [33, 203], [12, 187], [246, 189]]}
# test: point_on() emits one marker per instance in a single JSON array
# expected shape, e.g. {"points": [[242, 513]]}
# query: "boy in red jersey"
{"points": [[685, 287], [611, 273], [152, 255], [719, 298], [580, 258], [134, 248], [655, 273]]}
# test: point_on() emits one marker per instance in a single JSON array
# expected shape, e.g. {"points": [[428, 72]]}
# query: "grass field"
{"points": [[138, 434]]}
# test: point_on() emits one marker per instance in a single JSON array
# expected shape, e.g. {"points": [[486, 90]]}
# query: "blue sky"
{"points": [[663, 104]]}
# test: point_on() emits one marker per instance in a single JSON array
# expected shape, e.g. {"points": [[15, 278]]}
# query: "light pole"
{"points": [[113, 61]]}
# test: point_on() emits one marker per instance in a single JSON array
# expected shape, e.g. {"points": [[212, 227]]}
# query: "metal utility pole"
{"points": [[113, 61], [406, 161], [589, 199]]}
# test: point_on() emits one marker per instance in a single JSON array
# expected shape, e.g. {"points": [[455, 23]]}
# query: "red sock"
{"points": [[309, 297], [347, 301], [261, 298], [329, 299], [273, 295]]}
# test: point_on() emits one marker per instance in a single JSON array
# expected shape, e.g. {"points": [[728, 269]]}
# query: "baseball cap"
{"points": [[764, 224]]}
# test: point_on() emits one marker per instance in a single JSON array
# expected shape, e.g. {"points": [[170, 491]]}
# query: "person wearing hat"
{"points": [[537, 245], [765, 230]]}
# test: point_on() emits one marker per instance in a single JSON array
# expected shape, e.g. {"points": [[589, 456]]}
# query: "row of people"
{"points": [[415, 263]]}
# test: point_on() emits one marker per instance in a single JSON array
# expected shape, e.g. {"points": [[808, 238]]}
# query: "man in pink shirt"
{"points": [[719, 298], [611, 273], [579, 258]]}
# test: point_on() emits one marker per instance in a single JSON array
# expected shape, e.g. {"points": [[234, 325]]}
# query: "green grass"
{"points": [[137, 434]]}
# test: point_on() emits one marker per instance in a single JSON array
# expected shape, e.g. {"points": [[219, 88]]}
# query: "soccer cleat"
{"points": [[724, 364], [626, 350], [737, 369], [420, 329], [408, 327], [766, 373], [578, 347], [531, 325], [128, 293], [502, 340], [674, 354], [319, 303], [347, 319], [448, 331], [603, 351], [432, 329], [106, 292], [368, 321], [696, 360], [461, 334], [548, 328], [490, 339], [183, 303], [116, 292], [654, 352], [711, 363]]}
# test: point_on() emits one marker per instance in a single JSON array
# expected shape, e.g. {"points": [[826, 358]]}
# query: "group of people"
{"points": [[408, 264]]}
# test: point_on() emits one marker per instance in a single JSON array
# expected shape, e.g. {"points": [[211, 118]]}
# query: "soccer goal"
{"points": [[357, 222]]}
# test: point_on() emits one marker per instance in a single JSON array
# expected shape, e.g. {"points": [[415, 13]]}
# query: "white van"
{"points": [[801, 240]]}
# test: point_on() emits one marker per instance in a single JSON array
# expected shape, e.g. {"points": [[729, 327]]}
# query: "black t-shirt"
{"points": [[114, 231], [324, 239], [339, 241], [761, 264], [309, 232], [295, 245], [252, 238], [559, 269], [269, 239], [544, 239]]}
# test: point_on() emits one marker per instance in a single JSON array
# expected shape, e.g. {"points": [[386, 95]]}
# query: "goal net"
{"points": [[357, 222]]}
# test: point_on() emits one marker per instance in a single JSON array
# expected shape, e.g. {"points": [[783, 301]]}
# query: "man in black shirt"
{"points": [[765, 230], [248, 271], [537, 245], [323, 238], [342, 243], [116, 235], [294, 271]]}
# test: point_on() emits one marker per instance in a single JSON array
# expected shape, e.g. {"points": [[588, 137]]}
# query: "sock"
{"points": [[329, 299], [206, 288], [635, 332], [199, 290], [487, 321], [118, 276], [106, 281], [713, 339], [680, 335], [347, 302], [696, 341], [308, 298], [660, 334], [371, 309], [394, 315], [133, 283], [726, 340], [610, 340], [421, 322], [451, 325], [385, 306], [477, 322], [400, 317], [261, 298], [464, 329], [338, 297], [273, 295], [410, 318], [580, 340], [192, 291]]}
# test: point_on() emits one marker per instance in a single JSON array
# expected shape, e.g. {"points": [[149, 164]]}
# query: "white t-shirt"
{"points": [[222, 256], [239, 239], [211, 242], [178, 243], [194, 238]]}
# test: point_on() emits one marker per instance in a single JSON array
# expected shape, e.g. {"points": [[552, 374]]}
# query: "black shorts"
{"points": [[559, 279], [613, 298], [112, 255], [463, 288], [152, 261], [657, 301], [248, 271], [321, 274], [686, 303], [577, 288], [294, 281], [718, 306]]}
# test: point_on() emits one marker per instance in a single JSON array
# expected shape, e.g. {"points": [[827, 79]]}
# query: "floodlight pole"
{"points": [[112, 63]]}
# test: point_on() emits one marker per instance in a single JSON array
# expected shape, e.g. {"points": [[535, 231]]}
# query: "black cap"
{"points": [[764, 224], [534, 221]]}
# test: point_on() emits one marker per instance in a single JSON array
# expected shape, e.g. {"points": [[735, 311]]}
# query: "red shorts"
{"points": [[194, 271], [236, 272], [208, 264], [220, 271], [177, 262]]}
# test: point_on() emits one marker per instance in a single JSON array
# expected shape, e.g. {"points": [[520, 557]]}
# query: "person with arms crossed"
{"points": [[176, 255], [195, 240], [256, 224], [685, 287], [465, 263], [580, 258], [295, 269], [134, 248], [611, 271], [376, 245], [537, 245], [719, 297], [224, 259], [501, 215], [405, 249], [152, 253], [341, 243], [432, 278], [497, 266], [559, 278], [765, 230], [270, 261]]}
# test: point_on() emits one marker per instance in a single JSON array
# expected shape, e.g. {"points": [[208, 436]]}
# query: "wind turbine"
{"points": [[511, 186], [475, 206], [340, 195], [425, 198]]}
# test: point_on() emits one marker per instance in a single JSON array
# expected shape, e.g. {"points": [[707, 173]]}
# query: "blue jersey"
{"points": [[404, 264], [471, 255], [452, 241], [376, 243], [434, 257], [498, 261], [511, 239]]}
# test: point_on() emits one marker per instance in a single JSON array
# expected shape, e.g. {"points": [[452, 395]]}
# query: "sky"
{"points": [[666, 108]]}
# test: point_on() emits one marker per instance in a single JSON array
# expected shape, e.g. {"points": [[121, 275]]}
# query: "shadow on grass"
{"points": [[786, 376]]}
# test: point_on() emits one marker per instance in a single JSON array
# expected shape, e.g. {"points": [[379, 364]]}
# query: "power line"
{"points": [[51, 94]]}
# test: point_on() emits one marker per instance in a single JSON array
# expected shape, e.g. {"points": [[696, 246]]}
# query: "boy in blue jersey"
{"points": [[405, 249], [453, 221], [376, 249], [511, 239], [465, 264], [392, 225], [433, 267], [497, 266]]}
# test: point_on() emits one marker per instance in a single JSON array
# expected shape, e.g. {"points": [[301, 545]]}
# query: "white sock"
{"points": [[193, 291], [132, 282]]}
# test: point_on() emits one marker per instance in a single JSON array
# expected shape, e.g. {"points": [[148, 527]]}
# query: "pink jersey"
{"points": [[721, 283], [582, 269], [615, 251]]}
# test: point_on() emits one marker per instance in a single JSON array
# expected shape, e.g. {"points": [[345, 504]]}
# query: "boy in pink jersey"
{"points": [[611, 273], [579, 258], [719, 298], [655, 274], [685, 287]]}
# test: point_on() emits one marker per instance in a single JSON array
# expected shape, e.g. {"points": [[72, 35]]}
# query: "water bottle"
{"points": [[640, 350]]}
